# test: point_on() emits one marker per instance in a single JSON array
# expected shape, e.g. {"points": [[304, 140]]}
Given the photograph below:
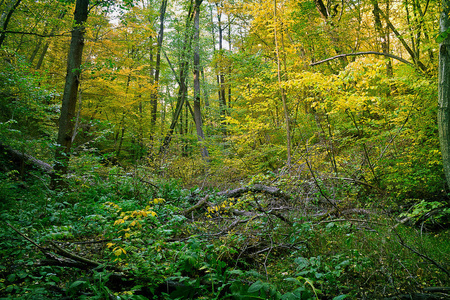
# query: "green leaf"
{"points": [[442, 36], [258, 285], [55, 278], [11, 277], [340, 297], [295, 280], [77, 283], [235, 272]]}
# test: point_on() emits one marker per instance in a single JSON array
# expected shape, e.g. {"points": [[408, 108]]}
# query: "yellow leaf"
{"points": [[118, 222], [109, 245], [118, 252]]}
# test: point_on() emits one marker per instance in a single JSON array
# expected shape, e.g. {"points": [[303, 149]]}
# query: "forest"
{"points": [[213, 149]]}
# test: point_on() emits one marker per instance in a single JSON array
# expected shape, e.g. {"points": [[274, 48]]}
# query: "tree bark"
{"points": [[69, 101], [444, 88]]}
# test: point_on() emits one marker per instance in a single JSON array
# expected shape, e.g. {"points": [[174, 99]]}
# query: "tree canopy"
{"points": [[182, 149]]}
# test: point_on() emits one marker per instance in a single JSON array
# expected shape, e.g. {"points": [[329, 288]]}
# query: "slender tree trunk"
{"points": [[69, 101], [197, 107], [444, 88], [282, 91], [5, 18], [154, 96], [229, 65], [381, 35], [220, 75], [182, 89], [410, 51], [47, 44]]}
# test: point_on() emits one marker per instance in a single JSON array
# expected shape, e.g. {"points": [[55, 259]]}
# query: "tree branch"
{"points": [[36, 34], [363, 53]]}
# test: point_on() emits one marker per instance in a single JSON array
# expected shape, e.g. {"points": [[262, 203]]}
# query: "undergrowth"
{"points": [[253, 246]]}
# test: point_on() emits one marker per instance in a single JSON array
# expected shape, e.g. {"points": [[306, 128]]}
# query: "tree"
{"points": [[197, 107], [282, 91], [69, 101], [444, 87], [6, 17], [154, 97], [181, 79]]}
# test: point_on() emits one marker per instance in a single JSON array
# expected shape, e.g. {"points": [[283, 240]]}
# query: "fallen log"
{"points": [[20, 157]]}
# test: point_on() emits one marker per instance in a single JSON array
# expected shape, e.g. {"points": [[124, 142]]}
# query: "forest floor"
{"points": [[113, 234]]}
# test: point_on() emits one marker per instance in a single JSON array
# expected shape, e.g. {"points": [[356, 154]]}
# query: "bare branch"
{"points": [[36, 34], [363, 53]]}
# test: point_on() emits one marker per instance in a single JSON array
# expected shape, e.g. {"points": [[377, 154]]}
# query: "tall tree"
{"points": [[383, 35], [154, 96], [69, 101], [182, 86], [197, 107], [220, 66], [444, 87], [5, 17], [281, 88]]}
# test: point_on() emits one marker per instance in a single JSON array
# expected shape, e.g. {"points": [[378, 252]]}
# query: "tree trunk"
{"points": [[182, 89], [5, 18], [444, 88], [154, 96], [282, 91], [69, 101], [220, 75], [197, 108], [47, 44], [382, 36]]}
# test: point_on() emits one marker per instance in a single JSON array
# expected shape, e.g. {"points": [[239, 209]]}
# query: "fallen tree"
{"points": [[21, 158]]}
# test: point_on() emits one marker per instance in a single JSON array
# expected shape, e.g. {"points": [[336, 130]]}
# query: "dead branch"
{"points": [[196, 206], [20, 156], [258, 188], [234, 224], [432, 261], [75, 257], [360, 182], [43, 249], [363, 53], [35, 34], [349, 220], [69, 259]]}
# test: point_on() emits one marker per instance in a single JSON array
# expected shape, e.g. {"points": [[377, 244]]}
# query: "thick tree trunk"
{"points": [[197, 107], [444, 88], [69, 101]]}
